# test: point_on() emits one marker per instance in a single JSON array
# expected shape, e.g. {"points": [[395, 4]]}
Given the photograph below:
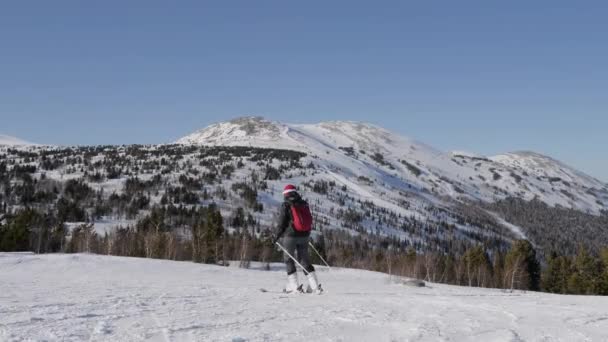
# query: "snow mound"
{"points": [[101, 298]]}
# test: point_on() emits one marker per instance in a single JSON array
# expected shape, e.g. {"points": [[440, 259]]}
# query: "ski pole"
{"points": [[319, 254], [292, 258]]}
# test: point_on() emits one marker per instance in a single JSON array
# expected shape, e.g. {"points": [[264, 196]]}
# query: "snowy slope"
{"points": [[349, 148], [7, 140], [100, 298], [543, 166], [578, 190]]}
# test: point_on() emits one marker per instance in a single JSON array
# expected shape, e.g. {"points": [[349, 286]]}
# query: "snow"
{"points": [[7, 140], [519, 233], [545, 166], [104, 225], [84, 297], [459, 174]]}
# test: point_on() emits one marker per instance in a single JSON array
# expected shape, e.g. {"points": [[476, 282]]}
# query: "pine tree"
{"points": [[522, 269], [215, 231], [550, 279], [586, 274], [603, 280], [564, 272], [16, 236]]}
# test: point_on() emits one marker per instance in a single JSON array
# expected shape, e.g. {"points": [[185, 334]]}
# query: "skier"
{"points": [[295, 222]]}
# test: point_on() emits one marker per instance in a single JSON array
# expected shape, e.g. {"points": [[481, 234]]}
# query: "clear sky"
{"points": [[483, 76]]}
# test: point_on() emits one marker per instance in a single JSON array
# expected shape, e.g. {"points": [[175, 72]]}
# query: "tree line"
{"points": [[203, 238]]}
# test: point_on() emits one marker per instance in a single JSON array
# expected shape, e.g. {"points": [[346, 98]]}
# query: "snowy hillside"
{"points": [[6, 140], [361, 180], [113, 187], [350, 150], [545, 167], [81, 297]]}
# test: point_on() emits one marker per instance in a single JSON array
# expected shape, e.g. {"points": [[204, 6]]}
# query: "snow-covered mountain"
{"points": [[352, 151], [7, 140], [361, 180], [58, 297], [546, 167]]}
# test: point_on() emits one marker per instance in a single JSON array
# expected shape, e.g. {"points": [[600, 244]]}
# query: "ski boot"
{"points": [[313, 284]]}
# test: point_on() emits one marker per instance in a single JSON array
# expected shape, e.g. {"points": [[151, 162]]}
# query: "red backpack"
{"points": [[302, 218]]}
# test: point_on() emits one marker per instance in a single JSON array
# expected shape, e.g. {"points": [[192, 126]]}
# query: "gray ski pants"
{"points": [[298, 248]]}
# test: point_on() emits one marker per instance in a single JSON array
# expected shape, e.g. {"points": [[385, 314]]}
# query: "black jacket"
{"points": [[285, 224]]}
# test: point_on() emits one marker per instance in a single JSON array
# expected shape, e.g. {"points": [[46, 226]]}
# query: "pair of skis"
{"points": [[300, 288]]}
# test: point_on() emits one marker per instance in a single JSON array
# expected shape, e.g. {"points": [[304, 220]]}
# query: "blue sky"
{"points": [[483, 76]]}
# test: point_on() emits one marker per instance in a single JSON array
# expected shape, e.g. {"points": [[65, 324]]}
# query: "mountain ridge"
{"points": [[354, 146]]}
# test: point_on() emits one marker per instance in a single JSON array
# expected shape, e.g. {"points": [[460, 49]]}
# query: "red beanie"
{"points": [[288, 189]]}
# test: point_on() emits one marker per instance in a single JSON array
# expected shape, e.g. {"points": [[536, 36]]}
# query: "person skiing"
{"points": [[295, 222]]}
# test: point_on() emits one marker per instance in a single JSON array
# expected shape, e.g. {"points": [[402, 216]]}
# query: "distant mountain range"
{"points": [[351, 151]]}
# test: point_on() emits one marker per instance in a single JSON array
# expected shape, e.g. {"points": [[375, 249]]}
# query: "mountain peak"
{"points": [[255, 120], [253, 125], [242, 131]]}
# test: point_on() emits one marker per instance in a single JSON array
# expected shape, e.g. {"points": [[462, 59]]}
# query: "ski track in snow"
{"points": [[100, 298]]}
